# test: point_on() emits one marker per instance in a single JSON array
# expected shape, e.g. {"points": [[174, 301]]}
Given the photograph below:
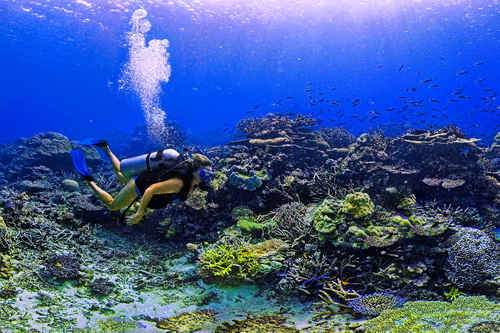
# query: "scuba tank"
{"points": [[133, 166]]}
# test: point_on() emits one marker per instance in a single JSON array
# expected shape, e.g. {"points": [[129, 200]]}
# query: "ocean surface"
{"points": [[64, 62]]}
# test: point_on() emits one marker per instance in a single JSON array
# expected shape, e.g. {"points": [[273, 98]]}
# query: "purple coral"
{"points": [[374, 304]]}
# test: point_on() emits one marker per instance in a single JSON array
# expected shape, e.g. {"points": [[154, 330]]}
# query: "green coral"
{"points": [[187, 322], [423, 316], [358, 204], [241, 262], [229, 264]]}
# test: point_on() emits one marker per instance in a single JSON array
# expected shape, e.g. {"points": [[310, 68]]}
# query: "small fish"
{"points": [[434, 86], [477, 63], [401, 68], [433, 100], [462, 72], [426, 81]]}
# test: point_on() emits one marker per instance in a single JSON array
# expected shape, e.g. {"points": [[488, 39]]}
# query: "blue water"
{"points": [[62, 62]]}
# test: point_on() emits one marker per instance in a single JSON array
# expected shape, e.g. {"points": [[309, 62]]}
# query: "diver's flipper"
{"points": [[99, 143], [93, 142], [80, 164]]}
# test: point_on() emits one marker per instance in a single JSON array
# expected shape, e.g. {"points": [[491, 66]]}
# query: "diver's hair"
{"points": [[200, 161]]}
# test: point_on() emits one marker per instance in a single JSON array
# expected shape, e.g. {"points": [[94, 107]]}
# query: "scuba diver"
{"points": [[156, 179]]}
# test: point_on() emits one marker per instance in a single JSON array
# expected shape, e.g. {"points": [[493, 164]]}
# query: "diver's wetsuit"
{"points": [[160, 174]]}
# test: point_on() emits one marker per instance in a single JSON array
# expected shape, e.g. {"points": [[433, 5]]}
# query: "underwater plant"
{"points": [[376, 303]]}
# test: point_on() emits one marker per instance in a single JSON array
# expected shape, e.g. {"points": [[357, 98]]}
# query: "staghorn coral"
{"points": [[376, 303], [423, 316], [473, 258]]}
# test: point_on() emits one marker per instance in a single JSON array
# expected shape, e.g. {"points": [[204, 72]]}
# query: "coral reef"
{"points": [[423, 316]]}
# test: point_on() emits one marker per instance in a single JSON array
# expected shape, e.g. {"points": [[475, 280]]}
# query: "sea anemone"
{"points": [[376, 303]]}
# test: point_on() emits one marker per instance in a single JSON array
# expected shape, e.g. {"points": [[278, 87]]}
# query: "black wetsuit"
{"points": [[159, 174]]}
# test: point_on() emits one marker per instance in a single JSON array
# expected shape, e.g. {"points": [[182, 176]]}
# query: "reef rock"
{"points": [[51, 150]]}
